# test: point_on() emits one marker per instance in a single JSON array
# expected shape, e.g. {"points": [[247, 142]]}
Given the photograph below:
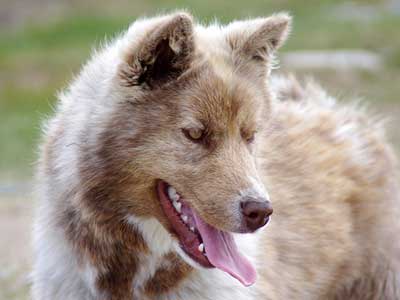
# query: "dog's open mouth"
{"points": [[204, 243]]}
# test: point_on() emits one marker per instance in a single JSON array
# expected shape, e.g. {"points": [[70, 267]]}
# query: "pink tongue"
{"points": [[223, 253]]}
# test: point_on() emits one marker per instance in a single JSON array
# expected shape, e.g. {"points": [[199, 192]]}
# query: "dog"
{"points": [[158, 170]]}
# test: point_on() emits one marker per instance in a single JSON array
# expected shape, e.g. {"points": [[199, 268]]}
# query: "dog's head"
{"points": [[191, 104]]}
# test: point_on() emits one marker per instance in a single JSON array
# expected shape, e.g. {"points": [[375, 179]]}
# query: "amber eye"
{"points": [[249, 138], [194, 134]]}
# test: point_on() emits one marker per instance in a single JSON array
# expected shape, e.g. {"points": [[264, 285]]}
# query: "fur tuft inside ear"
{"points": [[273, 32], [164, 52]]}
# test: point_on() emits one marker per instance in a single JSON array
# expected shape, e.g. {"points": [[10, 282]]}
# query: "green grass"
{"points": [[21, 110], [39, 59]]}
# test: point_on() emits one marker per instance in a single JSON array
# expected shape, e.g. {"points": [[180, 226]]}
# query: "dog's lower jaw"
{"points": [[159, 240], [163, 245], [186, 258]]}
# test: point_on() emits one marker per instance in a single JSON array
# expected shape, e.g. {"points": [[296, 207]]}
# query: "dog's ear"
{"points": [[163, 53], [256, 41]]}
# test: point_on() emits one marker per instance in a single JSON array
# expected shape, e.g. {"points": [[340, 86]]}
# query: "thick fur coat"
{"points": [[197, 107]]}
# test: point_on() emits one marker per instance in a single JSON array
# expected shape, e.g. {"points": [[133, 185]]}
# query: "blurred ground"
{"points": [[15, 254], [43, 42]]}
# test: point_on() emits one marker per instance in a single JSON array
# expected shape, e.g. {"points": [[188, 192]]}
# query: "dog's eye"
{"points": [[249, 138], [194, 134]]}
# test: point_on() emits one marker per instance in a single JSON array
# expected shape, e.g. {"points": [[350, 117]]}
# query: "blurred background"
{"points": [[351, 47]]}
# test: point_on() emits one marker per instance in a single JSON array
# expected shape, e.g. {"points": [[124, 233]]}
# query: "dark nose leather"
{"points": [[255, 212]]}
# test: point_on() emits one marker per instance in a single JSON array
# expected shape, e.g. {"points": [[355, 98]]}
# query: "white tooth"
{"points": [[184, 218], [172, 194], [177, 206], [192, 228], [201, 247]]}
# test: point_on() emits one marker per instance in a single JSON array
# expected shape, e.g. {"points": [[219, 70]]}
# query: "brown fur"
{"points": [[169, 277], [334, 232], [328, 238]]}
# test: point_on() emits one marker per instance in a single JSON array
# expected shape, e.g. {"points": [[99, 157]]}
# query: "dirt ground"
{"points": [[16, 212]]}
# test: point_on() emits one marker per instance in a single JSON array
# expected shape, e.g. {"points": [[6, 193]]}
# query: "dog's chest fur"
{"points": [[164, 275], [145, 266]]}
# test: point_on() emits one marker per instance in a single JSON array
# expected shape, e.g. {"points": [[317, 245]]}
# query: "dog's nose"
{"points": [[255, 212]]}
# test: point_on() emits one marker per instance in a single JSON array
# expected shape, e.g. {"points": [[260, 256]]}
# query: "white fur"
{"points": [[257, 189], [57, 274]]}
